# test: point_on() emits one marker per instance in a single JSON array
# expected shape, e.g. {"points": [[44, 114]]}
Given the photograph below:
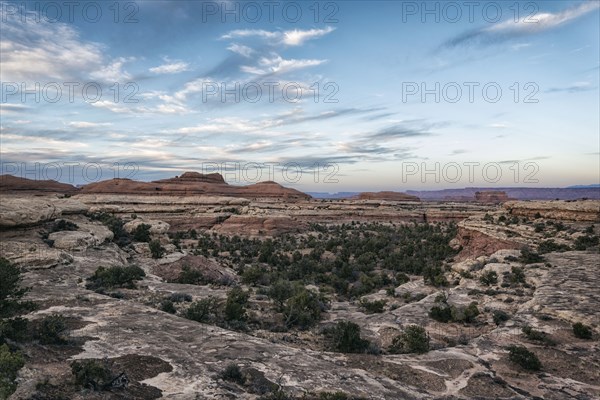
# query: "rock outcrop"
{"points": [[14, 184], [387, 195], [588, 210], [16, 211], [491, 196], [191, 184]]}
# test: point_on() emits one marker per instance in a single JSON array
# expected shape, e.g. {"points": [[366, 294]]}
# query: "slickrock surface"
{"points": [[588, 210]]}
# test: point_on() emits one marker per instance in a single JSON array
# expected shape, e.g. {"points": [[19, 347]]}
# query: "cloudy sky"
{"points": [[355, 95]]}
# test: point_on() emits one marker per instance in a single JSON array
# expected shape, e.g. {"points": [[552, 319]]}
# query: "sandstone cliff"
{"points": [[387, 195]]}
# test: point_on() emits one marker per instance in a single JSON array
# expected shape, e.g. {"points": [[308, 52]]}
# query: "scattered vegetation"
{"points": [[63, 225], [91, 374], [115, 277], [141, 233], [500, 316], [489, 278], [233, 373], [156, 249], [115, 224], [538, 336], [444, 312], [345, 338], [10, 364], [12, 305], [373, 307], [414, 339], [524, 358], [582, 331], [204, 310], [52, 329]]}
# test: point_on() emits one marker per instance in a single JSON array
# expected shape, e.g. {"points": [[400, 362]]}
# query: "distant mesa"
{"points": [[194, 183], [387, 195], [14, 184], [491, 196]]}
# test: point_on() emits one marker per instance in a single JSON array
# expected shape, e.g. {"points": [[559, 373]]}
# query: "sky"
{"points": [[321, 96]]}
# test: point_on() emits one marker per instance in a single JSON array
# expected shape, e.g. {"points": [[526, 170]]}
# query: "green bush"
{"points": [[168, 307], [489, 278], [303, 309], [414, 339], [346, 338], [233, 373], [115, 277], [63, 225], [204, 310], [52, 330], [582, 331], [235, 306], [585, 242], [524, 358], [180, 297], [11, 303], [500, 316], [190, 276], [538, 336], [156, 249], [91, 374], [115, 224], [529, 257], [141, 233], [441, 313], [280, 291], [10, 364], [373, 307]]}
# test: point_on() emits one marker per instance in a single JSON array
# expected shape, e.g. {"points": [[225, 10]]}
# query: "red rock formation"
{"points": [[491, 196], [14, 184], [387, 195], [475, 243], [193, 183]]}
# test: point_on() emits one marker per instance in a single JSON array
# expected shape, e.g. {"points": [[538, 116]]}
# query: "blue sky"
{"points": [[353, 117]]}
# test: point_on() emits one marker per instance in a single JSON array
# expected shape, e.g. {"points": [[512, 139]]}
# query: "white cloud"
{"points": [[276, 64], [241, 50], [174, 67], [37, 49], [297, 37], [113, 72], [85, 124], [544, 21], [242, 33]]}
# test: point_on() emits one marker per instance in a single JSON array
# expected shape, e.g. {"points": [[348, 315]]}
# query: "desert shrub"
{"points": [[500, 316], [303, 309], [235, 306], [91, 374], [156, 249], [180, 297], [414, 339], [517, 275], [373, 307], [168, 306], [280, 291], [524, 358], [585, 242], [345, 338], [141, 233], [233, 373], [489, 278], [582, 331], [63, 225], [10, 364], [548, 246], [115, 224], [11, 303], [402, 278], [446, 313], [190, 276], [52, 330], [204, 310], [441, 313], [115, 277], [529, 257], [535, 335]]}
